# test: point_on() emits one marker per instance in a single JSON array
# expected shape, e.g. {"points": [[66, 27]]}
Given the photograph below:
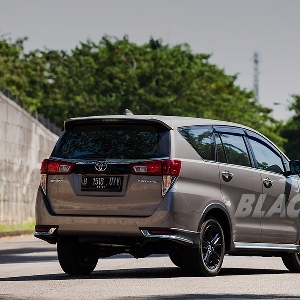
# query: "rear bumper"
{"points": [[179, 225], [189, 238]]}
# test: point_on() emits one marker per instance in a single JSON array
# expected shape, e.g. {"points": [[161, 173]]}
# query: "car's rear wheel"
{"points": [[207, 258], [177, 259], [76, 258], [292, 261]]}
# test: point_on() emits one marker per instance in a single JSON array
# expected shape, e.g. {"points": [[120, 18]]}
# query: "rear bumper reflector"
{"points": [[46, 233], [174, 234], [45, 230]]}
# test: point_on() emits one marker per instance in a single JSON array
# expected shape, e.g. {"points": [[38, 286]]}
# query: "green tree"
{"points": [[291, 130], [22, 73], [115, 74]]}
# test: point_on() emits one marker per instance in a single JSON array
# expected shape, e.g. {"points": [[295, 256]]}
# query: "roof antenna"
{"points": [[128, 112]]}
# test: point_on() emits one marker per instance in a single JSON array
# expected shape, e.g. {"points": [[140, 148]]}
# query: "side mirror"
{"points": [[295, 167]]}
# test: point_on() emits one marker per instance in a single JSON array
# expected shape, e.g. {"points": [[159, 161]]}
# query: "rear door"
{"points": [[102, 180], [240, 183]]}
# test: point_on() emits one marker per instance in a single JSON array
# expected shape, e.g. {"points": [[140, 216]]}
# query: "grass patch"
{"points": [[25, 226]]}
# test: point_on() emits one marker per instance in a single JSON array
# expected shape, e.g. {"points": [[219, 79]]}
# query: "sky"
{"points": [[230, 30]]}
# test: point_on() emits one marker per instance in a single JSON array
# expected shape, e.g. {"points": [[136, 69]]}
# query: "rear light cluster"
{"points": [[56, 167], [168, 168], [52, 167], [157, 167]]}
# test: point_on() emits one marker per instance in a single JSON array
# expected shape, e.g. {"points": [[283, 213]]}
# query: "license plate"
{"points": [[104, 183]]}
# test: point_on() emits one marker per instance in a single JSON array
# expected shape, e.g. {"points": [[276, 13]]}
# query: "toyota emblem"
{"points": [[101, 166]]}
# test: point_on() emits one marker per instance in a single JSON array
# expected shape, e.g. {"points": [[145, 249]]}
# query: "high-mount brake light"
{"points": [[51, 167], [168, 168]]}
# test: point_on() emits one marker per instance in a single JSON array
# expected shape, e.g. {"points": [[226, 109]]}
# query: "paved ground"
{"points": [[29, 270], [15, 233]]}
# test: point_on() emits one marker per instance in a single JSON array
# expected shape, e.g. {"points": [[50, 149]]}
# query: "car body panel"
{"points": [[245, 181], [199, 184], [279, 227], [65, 196]]}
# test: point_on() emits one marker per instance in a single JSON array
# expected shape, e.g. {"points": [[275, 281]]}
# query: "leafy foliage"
{"points": [[291, 130], [115, 74], [22, 73]]}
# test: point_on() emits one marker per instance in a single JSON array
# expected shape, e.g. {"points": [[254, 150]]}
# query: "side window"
{"points": [[220, 150], [235, 149], [201, 139], [266, 158]]}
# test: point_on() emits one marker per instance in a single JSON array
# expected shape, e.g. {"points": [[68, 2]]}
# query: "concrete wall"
{"points": [[24, 143]]}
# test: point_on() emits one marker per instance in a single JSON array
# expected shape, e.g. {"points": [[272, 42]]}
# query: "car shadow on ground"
{"points": [[26, 255], [138, 273]]}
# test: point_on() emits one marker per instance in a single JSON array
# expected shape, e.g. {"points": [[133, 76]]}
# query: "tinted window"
{"points": [[220, 150], [113, 141], [266, 158], [235, 149], [201, 139]]}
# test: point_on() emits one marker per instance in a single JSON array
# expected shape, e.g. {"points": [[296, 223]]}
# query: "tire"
{"points": [[292, 261], [207, 259], [76, 258], [177, 260]]}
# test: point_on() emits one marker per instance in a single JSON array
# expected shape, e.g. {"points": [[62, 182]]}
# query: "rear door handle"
{"points": [[267, 182], [227, 176]]}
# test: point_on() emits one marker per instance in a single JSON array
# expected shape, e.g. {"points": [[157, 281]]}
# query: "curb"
{"points": [[15, 233]]}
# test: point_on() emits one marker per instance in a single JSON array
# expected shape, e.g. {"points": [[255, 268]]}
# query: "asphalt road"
{"points": [[29, 270]]}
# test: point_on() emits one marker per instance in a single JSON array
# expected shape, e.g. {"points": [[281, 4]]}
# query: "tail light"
{"points": [[168, 168], [147, 168], [51, 167]]}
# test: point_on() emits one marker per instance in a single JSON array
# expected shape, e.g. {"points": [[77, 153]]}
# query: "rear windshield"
{"points": [[113, 141]]}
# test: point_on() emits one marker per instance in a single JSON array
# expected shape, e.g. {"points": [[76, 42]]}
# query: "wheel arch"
{"points": [[220, 213]]}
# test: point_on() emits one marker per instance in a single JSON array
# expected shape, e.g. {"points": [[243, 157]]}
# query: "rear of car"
{"points": [[107, 187], [91, 171]]}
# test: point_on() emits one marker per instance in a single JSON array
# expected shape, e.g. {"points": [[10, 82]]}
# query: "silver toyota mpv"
{"points": [[194, 189]]}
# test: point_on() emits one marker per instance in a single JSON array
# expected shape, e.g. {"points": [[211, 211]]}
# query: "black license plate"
{"points": [[104, 183]]}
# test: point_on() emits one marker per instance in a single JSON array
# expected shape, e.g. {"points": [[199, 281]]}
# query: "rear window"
{"points": [[113, 141]]}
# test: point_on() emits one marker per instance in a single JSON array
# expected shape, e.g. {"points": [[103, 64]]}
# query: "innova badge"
{"points": [[101, 166]]}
